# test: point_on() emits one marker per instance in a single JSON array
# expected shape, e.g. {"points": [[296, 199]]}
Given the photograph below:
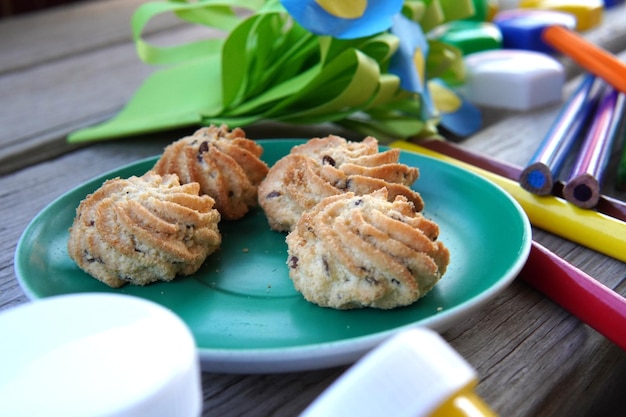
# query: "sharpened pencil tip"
{"points": [[582, 191], [537, 179]]}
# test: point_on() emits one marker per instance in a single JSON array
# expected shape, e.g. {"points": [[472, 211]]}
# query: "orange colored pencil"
{"points": [[589, 56]]}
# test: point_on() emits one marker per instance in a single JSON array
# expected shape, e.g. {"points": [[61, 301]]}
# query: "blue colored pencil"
{"points": [[543, 168], [583, 186]]}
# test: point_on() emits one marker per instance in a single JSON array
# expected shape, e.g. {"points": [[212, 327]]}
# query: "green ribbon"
{"points": [[270, 68]]}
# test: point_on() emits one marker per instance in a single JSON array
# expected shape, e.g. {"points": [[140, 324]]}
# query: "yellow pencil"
{"points": [[588, 228]]}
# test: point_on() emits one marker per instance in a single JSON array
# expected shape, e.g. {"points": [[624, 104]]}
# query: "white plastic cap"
{"points": [[410, 375], [99, 355]]}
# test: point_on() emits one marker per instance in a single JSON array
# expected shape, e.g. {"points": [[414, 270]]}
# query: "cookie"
{"points": [[225, 163], [324, 167], [355, 251], [143, 229]]}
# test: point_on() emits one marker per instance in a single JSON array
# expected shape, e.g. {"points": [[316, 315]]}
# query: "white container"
{"points": [[97, 355]]}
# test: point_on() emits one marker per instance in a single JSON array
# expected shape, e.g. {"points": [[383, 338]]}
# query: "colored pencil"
{"points": [[571, 288], [606, 204], [583, 186], [584, 297], [589, 56], [588, 228], [620, 181], [544, 166]]}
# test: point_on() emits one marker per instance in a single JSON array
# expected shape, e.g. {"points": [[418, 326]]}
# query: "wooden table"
{"points": [[71, 67]]}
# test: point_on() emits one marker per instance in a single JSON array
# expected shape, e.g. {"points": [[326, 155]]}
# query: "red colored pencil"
{"points": [[584, 297]]}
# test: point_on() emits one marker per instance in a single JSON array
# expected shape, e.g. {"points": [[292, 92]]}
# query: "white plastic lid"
{"points": [[99, 355], [410, 375]]}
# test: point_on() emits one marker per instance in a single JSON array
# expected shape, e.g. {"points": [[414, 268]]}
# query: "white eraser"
{"points": [[513, 79]]}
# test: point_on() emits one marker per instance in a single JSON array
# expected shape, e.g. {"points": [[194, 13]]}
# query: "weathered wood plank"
{"points": [[65, 31], [549, 361], [43, 104]]}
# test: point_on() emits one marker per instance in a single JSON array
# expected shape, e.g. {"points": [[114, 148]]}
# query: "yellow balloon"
{"points": [[346, 9]]}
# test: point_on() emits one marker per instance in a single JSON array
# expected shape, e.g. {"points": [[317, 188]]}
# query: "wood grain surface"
{"points": [[76, 65]]}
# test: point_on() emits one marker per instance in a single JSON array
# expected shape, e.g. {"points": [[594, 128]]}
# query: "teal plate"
{"points": [[241, 306]]}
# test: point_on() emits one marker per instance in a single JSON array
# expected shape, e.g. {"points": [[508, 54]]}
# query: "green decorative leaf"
{"points": [[264, 51], [446, 62], [388, 89], [344, 85], [457, 9], [263, 102]]}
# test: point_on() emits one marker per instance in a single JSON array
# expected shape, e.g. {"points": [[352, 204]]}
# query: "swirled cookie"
{"points": [[225, 163], [143, 229], [328, 166], [352, 251]]}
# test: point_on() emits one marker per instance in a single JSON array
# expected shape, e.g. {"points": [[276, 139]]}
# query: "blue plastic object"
{"points": [[522, 28]]}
